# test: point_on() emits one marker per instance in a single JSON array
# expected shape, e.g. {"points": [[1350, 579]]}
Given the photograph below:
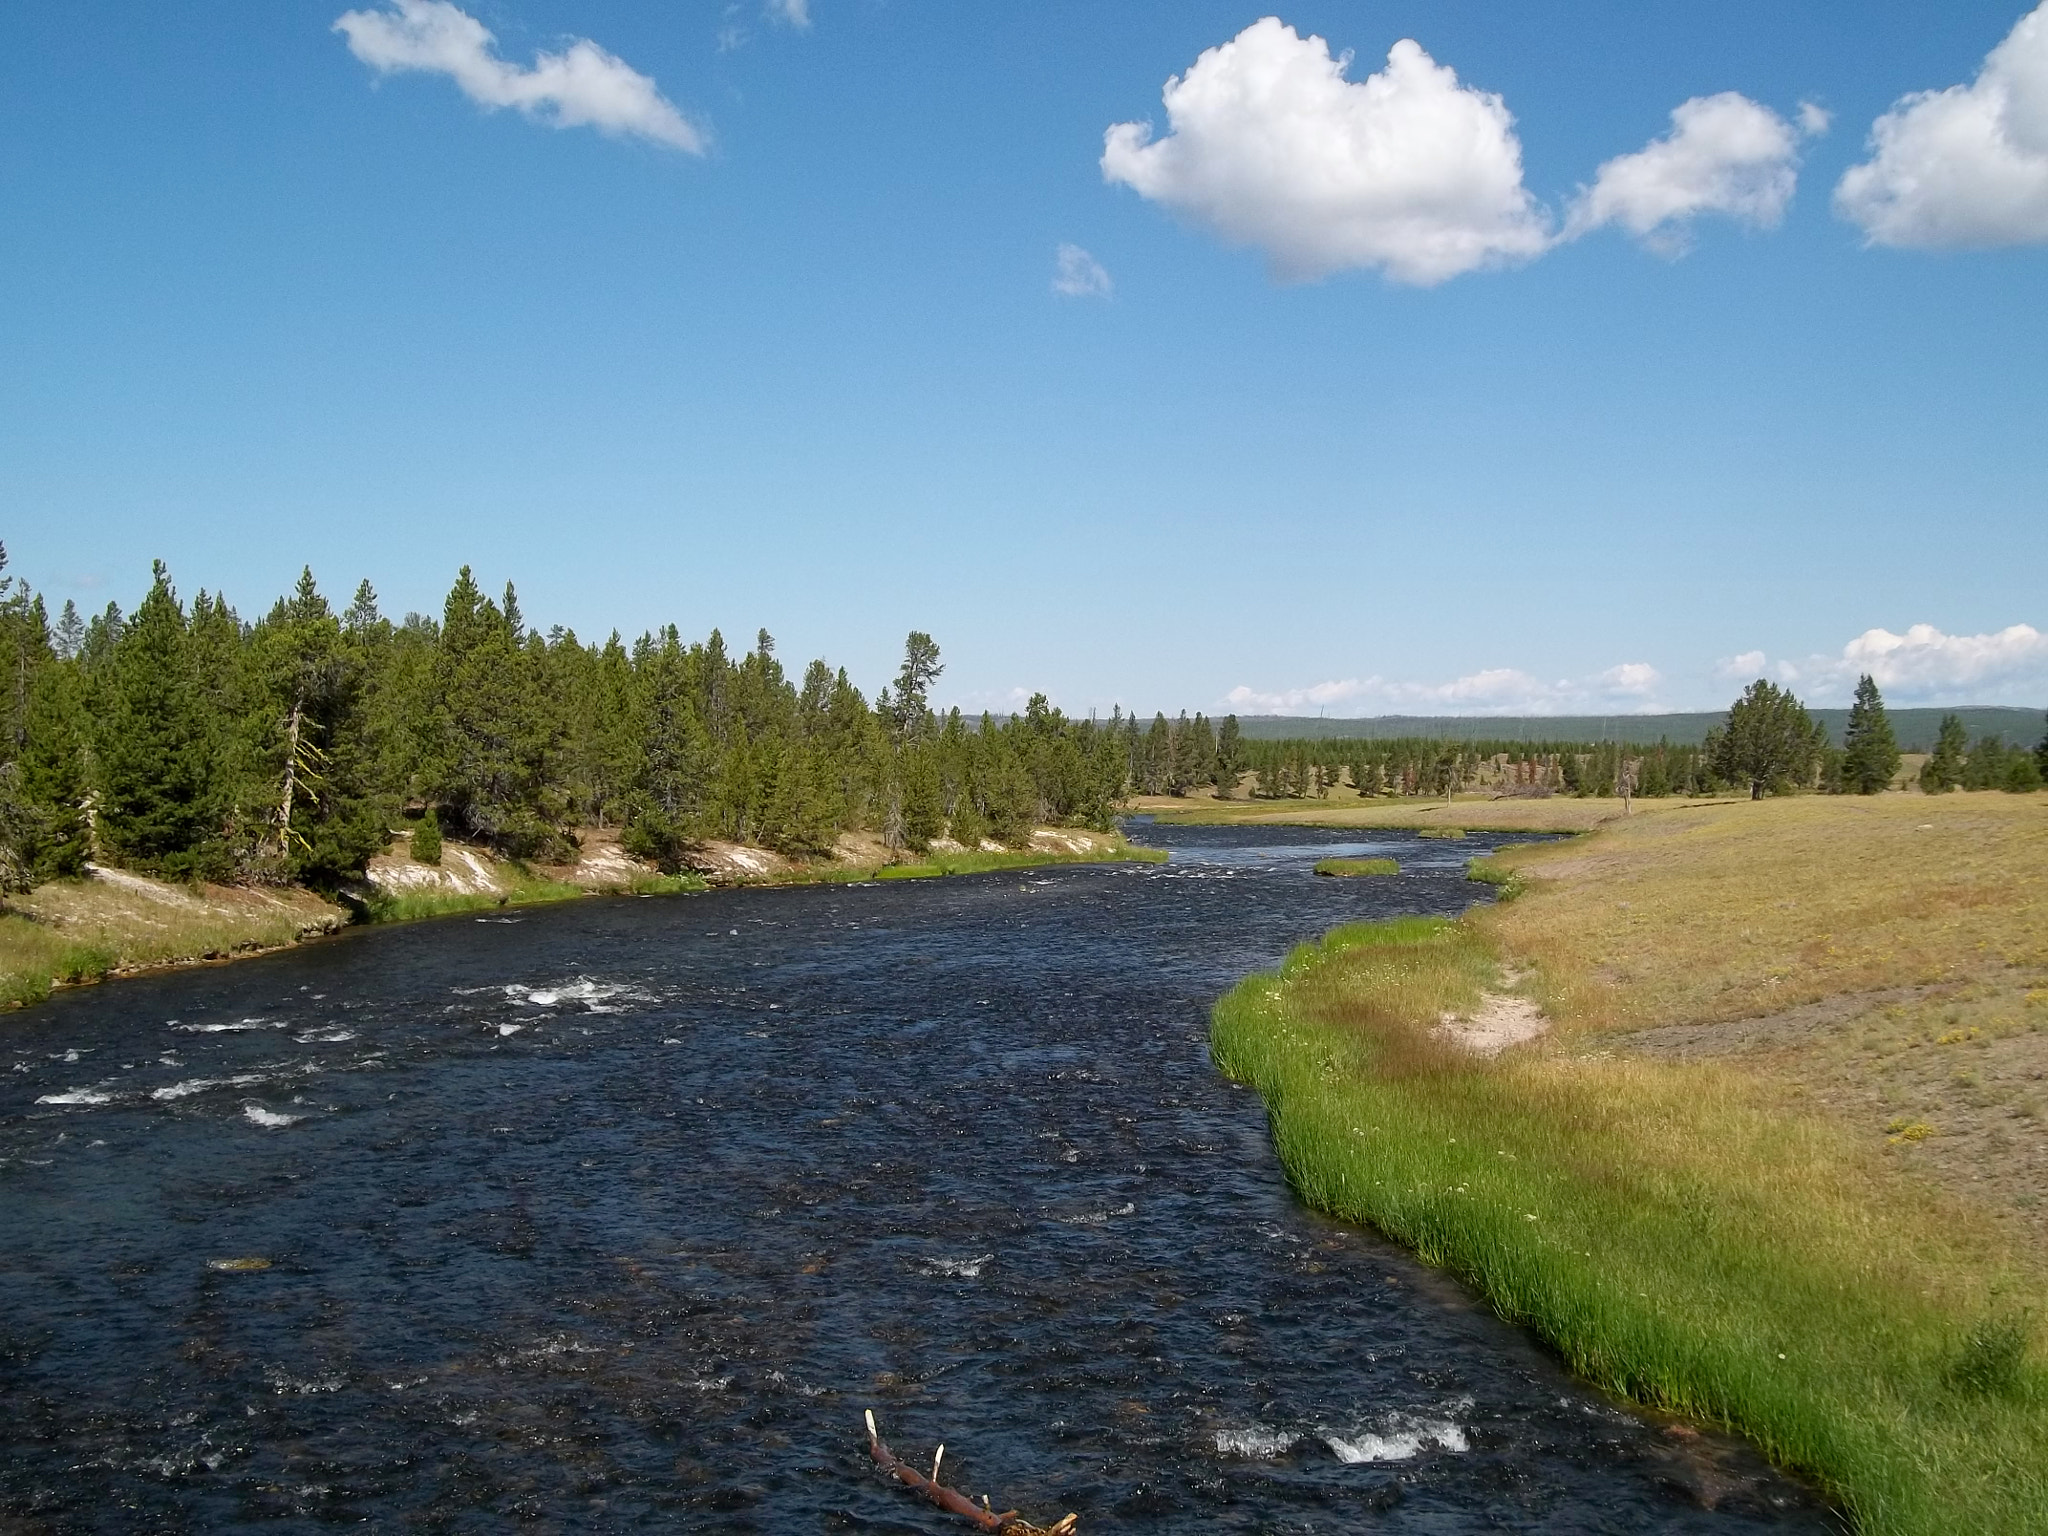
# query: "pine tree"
{"points": [[795, 815], [1870, 753], [160, 808], [1768, 742], [53, 774], [967, 825], [1943, 770], [426, 838], [913, 686], [320, 813], [495, 729], [69, 637], [924, 812], [1229, 764]]}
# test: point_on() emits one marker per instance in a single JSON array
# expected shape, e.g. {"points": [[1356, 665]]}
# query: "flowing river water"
{"points": [[615, 1215]]}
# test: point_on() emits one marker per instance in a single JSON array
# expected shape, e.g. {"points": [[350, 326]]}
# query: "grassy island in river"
{"points": [[1777, 1163]]}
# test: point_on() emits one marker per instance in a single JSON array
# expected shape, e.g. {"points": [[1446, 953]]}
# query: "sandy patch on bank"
{"points": [[461, 872], [1068, 840], [1500, 1021], [736, 861]]}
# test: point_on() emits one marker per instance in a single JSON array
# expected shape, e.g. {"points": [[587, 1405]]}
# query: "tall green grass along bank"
{"points": [[1676, 1236], [1507, 883], [975, 862], [1357, 867], [526, 890]]}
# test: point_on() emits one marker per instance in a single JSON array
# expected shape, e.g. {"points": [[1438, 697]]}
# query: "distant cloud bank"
{"points": [[1922, 666], [1630, 688], [581, 87], [1965, 166]]}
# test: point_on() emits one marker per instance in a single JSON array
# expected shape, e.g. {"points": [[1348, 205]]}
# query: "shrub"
{"points": [[1507, 883], [1357, 867], [84, 962], [426, 838]]}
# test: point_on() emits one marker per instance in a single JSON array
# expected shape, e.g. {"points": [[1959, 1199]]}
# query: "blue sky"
{"points": [[772, 337]]}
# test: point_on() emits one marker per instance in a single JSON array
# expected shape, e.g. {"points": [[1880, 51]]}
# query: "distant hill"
{"points": [[1915, 728]]}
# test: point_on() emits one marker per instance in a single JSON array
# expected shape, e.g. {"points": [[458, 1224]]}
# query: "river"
{"points": [[616, 1215]]}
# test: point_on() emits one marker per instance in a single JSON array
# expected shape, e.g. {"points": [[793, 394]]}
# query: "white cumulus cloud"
{"points": [[581, 87], [1631, 687], [1921, 666], [1078, 275], [791, 13], [1965, 166], [1724, 154], [1270, 145], [1927, 664]]}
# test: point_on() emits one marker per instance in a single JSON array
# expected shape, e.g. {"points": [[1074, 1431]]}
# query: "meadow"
{"points": [[1718, 1185]]}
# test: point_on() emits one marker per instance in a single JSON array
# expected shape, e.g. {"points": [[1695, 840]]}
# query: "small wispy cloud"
{"points": [[1079, 275], [789, 13], [583, 86], [1725, 154], [1629, 688]]}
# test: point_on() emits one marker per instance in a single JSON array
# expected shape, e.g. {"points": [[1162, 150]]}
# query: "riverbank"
{"points": [[1774, 1164], [113, 923], [1473, 813]]}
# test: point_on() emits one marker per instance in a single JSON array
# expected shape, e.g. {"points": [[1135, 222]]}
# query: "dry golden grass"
{"points": [[79, 930], [1745, 908], [1879, 963], [1476, 813]]}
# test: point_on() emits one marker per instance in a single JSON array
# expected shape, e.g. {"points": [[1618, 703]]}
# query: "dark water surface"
{"points": [[613, 1216]]}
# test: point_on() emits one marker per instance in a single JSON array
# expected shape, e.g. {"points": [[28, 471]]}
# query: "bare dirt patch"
{"points": [[1951, 1079], [1501, 1020]]}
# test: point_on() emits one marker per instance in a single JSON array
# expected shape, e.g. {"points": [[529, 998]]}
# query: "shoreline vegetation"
{"points": [[111, 924], [1777, 1162], [1353, 868]]}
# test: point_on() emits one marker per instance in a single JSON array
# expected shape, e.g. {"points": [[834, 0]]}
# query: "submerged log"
{"points": [[1005, 1522]]}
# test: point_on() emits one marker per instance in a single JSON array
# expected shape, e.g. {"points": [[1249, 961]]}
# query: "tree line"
{"points": [[1770, 745], [183, 741]]}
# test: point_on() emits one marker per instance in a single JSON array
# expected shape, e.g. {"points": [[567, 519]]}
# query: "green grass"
{"points": [[411, 906], [974, 863], [1507, 883], [1673, 1233], [1357, 867], [1449, 834]]}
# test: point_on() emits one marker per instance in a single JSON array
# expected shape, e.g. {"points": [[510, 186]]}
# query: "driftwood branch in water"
{"points": [[955, 1502]]}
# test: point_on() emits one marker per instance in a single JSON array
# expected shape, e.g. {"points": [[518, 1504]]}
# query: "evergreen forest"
{"points": [[183, 741]]}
